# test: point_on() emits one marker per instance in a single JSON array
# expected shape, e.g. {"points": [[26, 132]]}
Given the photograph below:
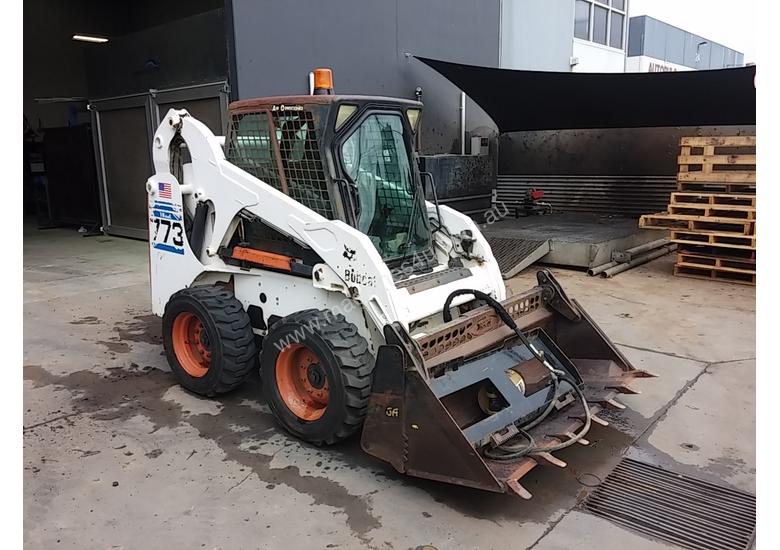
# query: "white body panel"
{"points": [[360, 279]]}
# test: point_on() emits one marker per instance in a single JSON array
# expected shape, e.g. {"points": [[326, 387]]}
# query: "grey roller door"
{"points": [[208, 103], [125, 127], [124, 150]]}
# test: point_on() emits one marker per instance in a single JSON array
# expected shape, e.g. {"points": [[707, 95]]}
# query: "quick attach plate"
{"points": [[492, 367]]}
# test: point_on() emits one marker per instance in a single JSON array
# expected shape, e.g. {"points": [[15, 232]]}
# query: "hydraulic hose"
{"points": [[508, 450]]}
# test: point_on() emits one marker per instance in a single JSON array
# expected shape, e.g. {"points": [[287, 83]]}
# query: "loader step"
{"points": [[432, 280]]}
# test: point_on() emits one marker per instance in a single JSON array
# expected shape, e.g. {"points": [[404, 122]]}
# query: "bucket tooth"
{"points": [[596, 419], [624, 389], [518, 489], [566, 436], [549, 458], [640, 373], [511, 473], [613, 404]]}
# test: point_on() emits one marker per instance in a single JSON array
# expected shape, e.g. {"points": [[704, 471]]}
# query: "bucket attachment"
{"points": [[443, 404]]}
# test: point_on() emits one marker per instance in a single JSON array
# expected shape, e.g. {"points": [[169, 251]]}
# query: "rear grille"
{"points": [[675, 508]]}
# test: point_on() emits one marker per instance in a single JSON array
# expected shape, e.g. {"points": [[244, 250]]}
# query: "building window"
{"points": [[600, 18], [600, 21], [582, 19], [616, 29]]}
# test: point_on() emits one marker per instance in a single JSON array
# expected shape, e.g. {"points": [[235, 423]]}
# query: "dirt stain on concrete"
{"points": [[729, 464], [89, 320], [119, 393], [154, 453], [115, 345], [322, 490], [145, 328], [716, 471], [124, 392]]}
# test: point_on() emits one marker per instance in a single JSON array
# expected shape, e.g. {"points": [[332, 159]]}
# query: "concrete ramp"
{"points": [[515, 254]]}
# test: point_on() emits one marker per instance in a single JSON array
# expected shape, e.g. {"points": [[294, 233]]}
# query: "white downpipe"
{"points": [[311, 83], [463, 123]]}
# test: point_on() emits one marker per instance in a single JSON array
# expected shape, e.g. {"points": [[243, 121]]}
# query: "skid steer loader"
{"points": [[302, 242]]}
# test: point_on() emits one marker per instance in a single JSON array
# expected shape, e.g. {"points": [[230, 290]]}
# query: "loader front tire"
{"points": [[316, 371], [208, 340]]}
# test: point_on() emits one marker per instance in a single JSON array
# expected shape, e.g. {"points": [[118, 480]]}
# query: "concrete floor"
{"points": [[118, 456]]}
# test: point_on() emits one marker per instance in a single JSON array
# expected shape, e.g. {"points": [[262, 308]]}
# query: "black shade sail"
{"points": [[539, 100]]}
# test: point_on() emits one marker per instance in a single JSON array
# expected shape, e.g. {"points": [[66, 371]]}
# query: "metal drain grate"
{"points": [[675, 508], [514, 255]]}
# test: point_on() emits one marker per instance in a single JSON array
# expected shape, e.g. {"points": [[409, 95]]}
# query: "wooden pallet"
{"points": [[710, 238], [714, 211], [724, 160], [714, 261], [712, 215], [716, 187], [731, 253], [720, 199], [697, 223], [715, 274]]}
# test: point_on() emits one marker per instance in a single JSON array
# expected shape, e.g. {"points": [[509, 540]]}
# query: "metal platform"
{"points": [[575, 239]]}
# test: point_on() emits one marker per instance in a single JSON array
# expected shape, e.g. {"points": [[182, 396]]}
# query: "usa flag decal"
{"points": [[164, 190]]}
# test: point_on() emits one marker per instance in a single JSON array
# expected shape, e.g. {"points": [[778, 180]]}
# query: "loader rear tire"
{"points": [[208, 340], [316, 371]]}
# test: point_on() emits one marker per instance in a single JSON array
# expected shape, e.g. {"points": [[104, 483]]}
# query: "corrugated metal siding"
{"points": [[627, 195]]}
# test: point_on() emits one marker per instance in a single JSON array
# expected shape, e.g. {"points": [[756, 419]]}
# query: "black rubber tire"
{"points": [[233, 347], [348, 366]]}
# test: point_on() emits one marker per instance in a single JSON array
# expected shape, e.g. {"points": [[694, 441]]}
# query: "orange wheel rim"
{"points": [[302, 382], [191, 344]]}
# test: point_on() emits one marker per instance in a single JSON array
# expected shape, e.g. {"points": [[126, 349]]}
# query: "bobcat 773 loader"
{"points": [[302, 243]]}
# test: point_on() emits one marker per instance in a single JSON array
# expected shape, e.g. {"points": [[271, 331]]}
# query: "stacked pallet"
{"points": [[712, 216]]}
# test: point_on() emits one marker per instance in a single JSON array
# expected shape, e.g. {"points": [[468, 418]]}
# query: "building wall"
{"points": [[56, 66], [536, 34], [673, 46], [53, 63], [645, 64], [370, 47], [595, 58], [183, 52], [539, 35]]}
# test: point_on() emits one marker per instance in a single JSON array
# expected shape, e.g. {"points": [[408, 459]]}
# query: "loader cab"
{"points": [[349, 158]]}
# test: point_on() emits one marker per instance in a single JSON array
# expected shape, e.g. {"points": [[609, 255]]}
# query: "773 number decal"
{"points": [[173, 232], [166, 227]]}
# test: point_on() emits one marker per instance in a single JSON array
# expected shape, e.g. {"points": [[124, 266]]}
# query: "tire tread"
{"points": [[356, 364], [239, 351]]}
